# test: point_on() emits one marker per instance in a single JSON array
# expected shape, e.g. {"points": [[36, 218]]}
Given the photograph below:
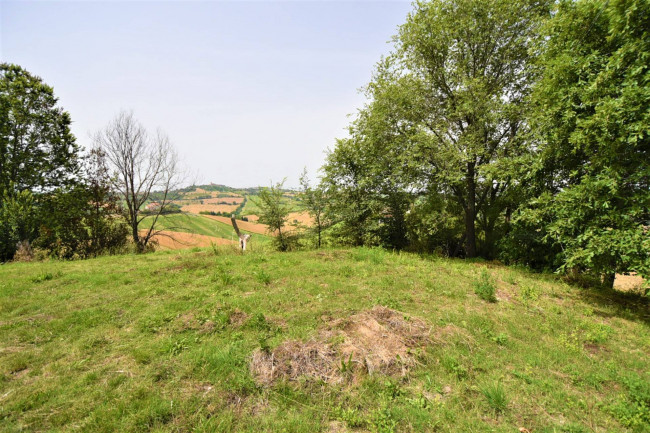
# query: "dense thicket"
{"points": [[505, 129]]}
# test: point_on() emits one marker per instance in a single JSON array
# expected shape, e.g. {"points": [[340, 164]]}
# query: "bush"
{"points": [[485, 288]]}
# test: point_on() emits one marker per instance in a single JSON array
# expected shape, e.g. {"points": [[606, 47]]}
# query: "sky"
{"points": [[249, 92]]}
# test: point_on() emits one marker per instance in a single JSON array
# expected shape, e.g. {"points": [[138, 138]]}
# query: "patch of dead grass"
{"points": [[379, 340]]}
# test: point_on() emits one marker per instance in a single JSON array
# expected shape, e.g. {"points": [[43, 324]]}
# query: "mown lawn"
{"points": [[162, 342]]}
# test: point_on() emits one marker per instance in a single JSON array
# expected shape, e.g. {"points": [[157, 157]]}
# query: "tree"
{"points": [[38, 155], [592, 111], [142, 163], [37, 150], [471, 58], [274, 212], [105, 232], [314, 201]]}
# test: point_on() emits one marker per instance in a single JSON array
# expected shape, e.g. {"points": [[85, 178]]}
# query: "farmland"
{"points": [[205, 225]]}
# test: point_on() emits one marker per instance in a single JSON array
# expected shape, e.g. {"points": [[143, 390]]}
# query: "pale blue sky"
{"points": [[249, 92]]}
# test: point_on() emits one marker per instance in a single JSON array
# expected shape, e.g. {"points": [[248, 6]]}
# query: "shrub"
{"points": [[485, 288]]}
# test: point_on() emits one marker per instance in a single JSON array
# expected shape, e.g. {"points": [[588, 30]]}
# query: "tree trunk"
{"points": [[608, 279], [470, 212]]}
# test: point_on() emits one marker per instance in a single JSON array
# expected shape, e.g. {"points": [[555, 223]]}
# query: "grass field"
{"points": [[164, 342]]}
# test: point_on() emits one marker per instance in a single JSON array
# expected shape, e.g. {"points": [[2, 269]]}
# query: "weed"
{"points": [[495, 396], [633, 410], [529, 293], [485, 288], [501, 339], [350, 416], [596, 332], [178, 346], [224, 277], [46, 276], [453, 366], [346, 366], [384, 421], [258, 322], [263, 277]]}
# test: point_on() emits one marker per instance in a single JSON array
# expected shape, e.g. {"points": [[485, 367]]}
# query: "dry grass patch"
{"points": [[379, 340]]}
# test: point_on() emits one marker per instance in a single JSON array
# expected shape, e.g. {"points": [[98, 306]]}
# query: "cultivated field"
{"points": [[332, 341], [198, 208], [243, 225], [169, 240], [204, 225]]}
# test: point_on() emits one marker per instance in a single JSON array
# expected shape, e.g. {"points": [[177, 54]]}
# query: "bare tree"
{"points": [[144, 166]]}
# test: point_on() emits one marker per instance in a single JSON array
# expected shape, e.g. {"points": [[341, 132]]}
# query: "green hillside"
{"points": [[163, 342]]}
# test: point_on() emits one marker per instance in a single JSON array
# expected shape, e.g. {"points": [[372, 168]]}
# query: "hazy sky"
{"points": [[248, 92]]}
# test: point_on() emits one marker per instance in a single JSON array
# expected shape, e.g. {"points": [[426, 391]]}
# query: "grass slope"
{"points": [[162, 342]]}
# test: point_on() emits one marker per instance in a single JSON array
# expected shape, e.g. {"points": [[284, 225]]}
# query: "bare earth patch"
{"points": [[177, 240], [626, 283], [378, 340], [196, 208]]}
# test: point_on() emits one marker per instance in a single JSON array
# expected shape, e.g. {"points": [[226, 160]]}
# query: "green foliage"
{"points": [[18, 221], [274, 212], [592, 111], [485, 288], [633, 410], [432, 158], [49, 194], [29, 115], [315, 202], [495, 396]]}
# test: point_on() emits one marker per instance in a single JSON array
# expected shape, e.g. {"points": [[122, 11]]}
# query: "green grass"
{"points": [[199, 224], [148, 343], [252, 209]]}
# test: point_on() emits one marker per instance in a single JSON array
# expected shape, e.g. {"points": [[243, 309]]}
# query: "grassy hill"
{"points": [[193, 341]]}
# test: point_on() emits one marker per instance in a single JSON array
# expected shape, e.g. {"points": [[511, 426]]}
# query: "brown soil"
{"points": [[177, 240], [248, 226], [252, 218], [197, 208], [238, 318], [378, 340]]}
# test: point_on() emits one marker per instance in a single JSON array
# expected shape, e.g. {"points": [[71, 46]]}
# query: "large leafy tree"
{"points": [[38, 155], [37, 150], [445, 123], [593, 112], [472, 59]]}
